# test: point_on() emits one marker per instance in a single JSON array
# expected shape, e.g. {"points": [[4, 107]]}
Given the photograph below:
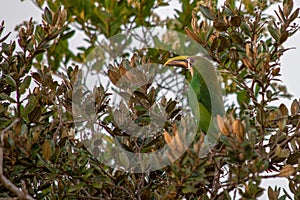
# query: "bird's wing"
{"points": [[206, 85]]}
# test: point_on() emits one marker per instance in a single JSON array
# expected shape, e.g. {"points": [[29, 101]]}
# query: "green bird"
{"points": [[204, 86]]}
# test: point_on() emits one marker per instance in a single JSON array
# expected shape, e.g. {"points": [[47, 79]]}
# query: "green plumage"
{"points": [[205, 87]]}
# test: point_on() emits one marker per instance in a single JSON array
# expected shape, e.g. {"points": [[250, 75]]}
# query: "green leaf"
{"points": [[188, 189], [243, 98], [207, 13], [30, 106], [48, 15], [249, 5], [171, 105], [283, 197], [143, 120], [224, 140], [245, 28], [76, 187], [273, 32], [5, 37], [140, 110], [88, 173], [231, 3], [294, 15], [10, 80], [141, 95], [67, 35], [97, 185], [4, 96], [25, 84], [226, 195], [287, 194]]}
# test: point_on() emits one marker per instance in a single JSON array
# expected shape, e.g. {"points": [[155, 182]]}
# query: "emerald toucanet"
{"points": [[208, 102]]}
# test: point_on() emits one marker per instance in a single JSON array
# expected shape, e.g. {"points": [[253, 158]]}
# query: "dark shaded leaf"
{"points": [[25, 84], [10, 80], [293, 158], [48, 15], [273, 32], [207, 13]]}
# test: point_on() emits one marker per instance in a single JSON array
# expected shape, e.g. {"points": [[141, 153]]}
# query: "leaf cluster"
{"points": [[43, 153]]}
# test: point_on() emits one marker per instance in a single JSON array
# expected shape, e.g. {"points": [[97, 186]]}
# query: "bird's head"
{"points": [[181, 61]]}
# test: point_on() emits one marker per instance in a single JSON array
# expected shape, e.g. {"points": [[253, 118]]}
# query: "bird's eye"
{"points": [[190, 61]]}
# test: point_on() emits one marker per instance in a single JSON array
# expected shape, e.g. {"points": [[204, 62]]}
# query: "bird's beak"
{"points": [[178, 61]]}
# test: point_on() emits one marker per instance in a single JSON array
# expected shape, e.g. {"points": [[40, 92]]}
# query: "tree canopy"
{"points": [[131, 134]]}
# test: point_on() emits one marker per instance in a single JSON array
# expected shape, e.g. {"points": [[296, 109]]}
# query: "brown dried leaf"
{"points": [[295, 108], [192, 35], [238, 129], [288, 7], [131, 77], [168, 137], [222, 125], [272, 194], [282, 124], [114, 77], [283, 110], [170, 156], [46, 150], [163, 101], [214, 44], [56, 17], [275, 71], [194, 21], [140, 96], [179, 145], [37, 77], [122, 70], [134, 60], [287, 171], [63, 18], [74, 75], [220, 25], [294, 15], [248, 63], [236, 21], [284, 36], [35, 114], [236, 38]]}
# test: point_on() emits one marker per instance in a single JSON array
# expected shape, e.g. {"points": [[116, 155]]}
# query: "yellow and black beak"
{"points": [[181, 61], [178, 61]]}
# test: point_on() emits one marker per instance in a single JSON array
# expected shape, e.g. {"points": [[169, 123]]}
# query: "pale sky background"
{"points": [[14, 12]]}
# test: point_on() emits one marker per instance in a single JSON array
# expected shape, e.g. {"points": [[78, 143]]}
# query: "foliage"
{"points": [[42, 158]]}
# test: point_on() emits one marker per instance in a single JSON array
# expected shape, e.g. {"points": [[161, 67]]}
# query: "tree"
{"points": [[44, 106]]}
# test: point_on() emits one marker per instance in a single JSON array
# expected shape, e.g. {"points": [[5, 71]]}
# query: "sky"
{"points": [[14, 12]]}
